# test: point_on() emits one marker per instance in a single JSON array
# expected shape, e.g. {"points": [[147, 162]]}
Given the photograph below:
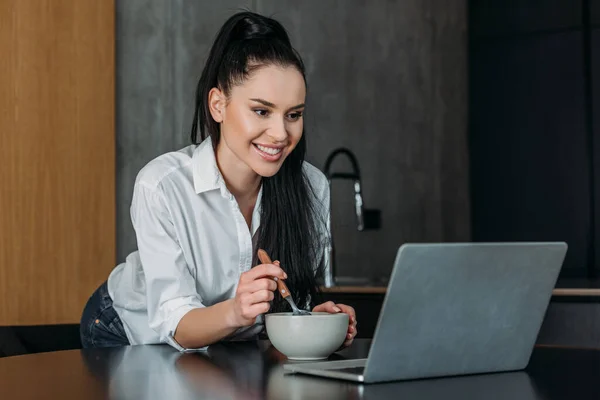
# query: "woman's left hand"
{"points": [[333, 308]]}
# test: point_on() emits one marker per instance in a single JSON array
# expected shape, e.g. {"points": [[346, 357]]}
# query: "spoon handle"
{"points": [[265, 259], [283, 289]]}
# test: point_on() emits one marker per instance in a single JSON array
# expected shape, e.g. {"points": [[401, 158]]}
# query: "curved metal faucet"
{"points": [[354, 175], [366, 219]]}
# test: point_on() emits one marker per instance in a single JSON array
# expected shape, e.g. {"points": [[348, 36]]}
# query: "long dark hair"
{"points": [[288, 227]]}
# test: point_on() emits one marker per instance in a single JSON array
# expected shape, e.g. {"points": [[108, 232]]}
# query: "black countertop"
{"points": [[253, 371]]}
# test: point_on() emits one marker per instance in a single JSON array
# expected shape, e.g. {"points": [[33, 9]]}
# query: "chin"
{"points": [[266, 171]]}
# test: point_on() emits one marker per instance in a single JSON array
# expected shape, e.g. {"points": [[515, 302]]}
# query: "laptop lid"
{"points": [[462, 308]]}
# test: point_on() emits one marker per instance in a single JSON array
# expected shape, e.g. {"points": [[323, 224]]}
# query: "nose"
{"points": [[278, 132]]}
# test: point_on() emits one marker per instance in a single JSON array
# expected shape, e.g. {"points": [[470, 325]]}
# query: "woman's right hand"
{"points": [[254, 292]]}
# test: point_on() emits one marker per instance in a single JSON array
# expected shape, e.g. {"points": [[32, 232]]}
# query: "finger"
{"points": [[261, 271], [350, 335], [348, 310], [349, 338], [255, 310], [329, 307], [260, 296], [259, 284], [348, 341], [277, 263]]}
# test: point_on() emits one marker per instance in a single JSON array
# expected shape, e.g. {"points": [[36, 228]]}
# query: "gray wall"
{"points": [[387, 79]]}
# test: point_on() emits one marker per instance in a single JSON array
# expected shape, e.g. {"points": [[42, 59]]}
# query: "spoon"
{"points": [[283, 289]]}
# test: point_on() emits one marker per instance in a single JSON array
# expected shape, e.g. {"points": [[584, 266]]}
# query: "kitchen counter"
{"points": [[560, 294], [383, 289], [249, 370], [355, 289]]}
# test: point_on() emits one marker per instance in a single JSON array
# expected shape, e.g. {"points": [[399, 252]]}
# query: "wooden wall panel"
{"points": [[57, 157]]}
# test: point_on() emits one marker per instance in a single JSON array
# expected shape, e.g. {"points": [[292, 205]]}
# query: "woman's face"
{"points": [[261, 121]]}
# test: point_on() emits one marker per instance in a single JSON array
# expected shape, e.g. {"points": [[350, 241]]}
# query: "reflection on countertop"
{"points": [[253, 370], [234, 370]]}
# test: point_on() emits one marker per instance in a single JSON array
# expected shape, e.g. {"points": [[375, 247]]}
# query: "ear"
{"points": [[216, 104]]}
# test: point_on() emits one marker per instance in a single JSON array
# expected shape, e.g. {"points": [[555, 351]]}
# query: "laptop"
{"points": [[455, 309]]}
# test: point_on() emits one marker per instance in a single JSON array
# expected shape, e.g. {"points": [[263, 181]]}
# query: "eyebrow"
{"points": [[269, 104]]}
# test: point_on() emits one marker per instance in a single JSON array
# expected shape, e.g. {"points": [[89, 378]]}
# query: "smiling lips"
{"points": [[269, 153]]}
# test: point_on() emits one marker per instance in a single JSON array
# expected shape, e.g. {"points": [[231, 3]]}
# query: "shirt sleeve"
{"points": [[170, 286]]}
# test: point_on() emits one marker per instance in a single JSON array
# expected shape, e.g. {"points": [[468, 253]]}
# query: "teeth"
{"points": [[268, 150]]}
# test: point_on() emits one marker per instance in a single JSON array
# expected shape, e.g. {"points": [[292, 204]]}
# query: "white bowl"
{"points": [[307, 337]]}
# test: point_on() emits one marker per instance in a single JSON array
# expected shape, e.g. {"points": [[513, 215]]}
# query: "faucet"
{"points": [[366, 219]]}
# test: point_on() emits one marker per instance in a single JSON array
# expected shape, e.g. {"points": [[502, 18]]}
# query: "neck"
{"points": [[240, 179]]}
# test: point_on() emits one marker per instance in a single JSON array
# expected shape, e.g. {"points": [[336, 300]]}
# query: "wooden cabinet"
{"points": [[57, 157]]}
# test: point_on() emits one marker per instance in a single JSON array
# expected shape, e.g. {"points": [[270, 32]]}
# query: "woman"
{"points": [[201, 213]]}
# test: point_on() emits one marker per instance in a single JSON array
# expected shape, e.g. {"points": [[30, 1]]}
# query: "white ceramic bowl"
{"points": [[307, 337]]}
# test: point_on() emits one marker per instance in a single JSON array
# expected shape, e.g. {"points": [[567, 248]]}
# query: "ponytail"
{"points": [[288, 229]]}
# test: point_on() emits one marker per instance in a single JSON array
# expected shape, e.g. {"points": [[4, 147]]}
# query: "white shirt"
{"points": [[193, 244]]}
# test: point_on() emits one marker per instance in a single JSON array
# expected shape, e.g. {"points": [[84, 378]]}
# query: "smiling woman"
{"points": [[262, 117], [201, 213]]}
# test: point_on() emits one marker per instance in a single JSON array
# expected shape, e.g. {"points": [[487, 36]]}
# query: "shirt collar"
{"points": [[205, 170], [256, 213]]}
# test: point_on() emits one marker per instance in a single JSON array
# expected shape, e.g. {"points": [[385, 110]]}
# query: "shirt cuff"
{"points": [[174, 319]]}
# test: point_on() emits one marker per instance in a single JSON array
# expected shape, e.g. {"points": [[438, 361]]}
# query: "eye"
{"points": [[295, 116], [261, 112]]}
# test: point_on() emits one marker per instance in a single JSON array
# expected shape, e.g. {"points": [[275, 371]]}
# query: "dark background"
{"points": [[534, 125]]}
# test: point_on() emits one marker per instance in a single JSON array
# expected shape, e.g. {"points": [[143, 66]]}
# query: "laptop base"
{"points": [[350, 370]]}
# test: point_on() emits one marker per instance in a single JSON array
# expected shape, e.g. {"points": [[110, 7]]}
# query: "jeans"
{"points": [[100, 325]]}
